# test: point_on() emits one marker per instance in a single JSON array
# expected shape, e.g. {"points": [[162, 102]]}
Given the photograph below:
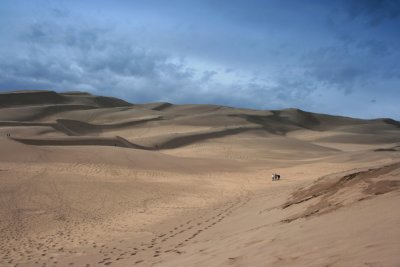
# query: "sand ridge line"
{"points": [[334, 193]]}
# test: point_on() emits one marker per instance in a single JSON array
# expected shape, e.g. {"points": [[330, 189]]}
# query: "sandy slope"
{"points": [[96, 181]]}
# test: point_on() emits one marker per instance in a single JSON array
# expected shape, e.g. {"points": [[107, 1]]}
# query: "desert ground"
{"points": [[96, 181]]}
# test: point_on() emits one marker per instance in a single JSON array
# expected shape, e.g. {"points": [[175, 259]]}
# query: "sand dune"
{"points": [[337, 192], [34, 113], [96, 181], [24, 98], [157, 106], [83, 128], [175, 140], [81, 141]]}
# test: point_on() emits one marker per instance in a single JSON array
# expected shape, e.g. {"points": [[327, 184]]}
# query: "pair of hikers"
{"points": [[275, 177]]}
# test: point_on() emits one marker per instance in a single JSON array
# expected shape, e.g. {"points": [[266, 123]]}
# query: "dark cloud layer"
{"points": [[329, 57], [374, 12]]}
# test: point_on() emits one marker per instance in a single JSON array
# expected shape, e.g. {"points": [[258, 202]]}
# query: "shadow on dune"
{"points": [[29, 98], [74, 127], [187, 139], [25, 108], [81, 141]]}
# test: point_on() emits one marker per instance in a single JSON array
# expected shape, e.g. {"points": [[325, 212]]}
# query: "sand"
{"points": [[97, 181]]}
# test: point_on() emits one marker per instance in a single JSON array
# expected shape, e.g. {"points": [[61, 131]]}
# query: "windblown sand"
{"points": [[96, 181]]}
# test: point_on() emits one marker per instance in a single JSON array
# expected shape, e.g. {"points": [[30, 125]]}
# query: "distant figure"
{"points": [[275, 177], [8, 135]]}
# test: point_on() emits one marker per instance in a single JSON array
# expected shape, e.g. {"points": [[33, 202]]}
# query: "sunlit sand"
{"points": [[96, 181]]}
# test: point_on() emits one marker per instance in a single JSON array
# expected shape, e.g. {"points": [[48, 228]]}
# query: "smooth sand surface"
{"points": [[96, 181]]}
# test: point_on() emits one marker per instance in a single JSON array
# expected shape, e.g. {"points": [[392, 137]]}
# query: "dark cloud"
{"points": [[375, 47], [373, 11], [335, 67], [208, 75], [263, 54], [86, 57], [352, 64], [50, 33], [61, 56]]}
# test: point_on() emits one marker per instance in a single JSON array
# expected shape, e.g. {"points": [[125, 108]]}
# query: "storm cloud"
{"points": [[339, 58]]}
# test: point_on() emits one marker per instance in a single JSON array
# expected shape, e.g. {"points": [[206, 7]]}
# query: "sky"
{"points": [[338, 57]]}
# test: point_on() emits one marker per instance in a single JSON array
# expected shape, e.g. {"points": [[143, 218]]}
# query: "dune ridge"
{"points": [[82, 141], [24, 98], [89, 180]]}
